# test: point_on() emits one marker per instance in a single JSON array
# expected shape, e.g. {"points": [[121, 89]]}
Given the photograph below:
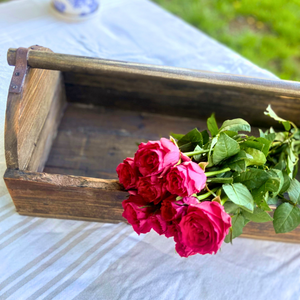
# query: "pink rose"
{"points": [[155, 156], [127, 173], [172, 209], [143, 217], [203, 229], [186, 179], [158, 223], [151, 188], [137, 215]]}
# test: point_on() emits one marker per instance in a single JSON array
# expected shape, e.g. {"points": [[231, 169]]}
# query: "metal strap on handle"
{"points": [[21, 68], [20, 71]]}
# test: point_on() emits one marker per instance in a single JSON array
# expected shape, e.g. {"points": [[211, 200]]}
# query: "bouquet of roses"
{"points": [[202, 190]]}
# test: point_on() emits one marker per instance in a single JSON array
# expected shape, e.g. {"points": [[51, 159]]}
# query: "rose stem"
{"points": [[195, 152], [213, 173], [204, 196]]}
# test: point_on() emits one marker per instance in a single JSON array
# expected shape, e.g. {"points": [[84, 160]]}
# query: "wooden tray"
{"points": [[76, 118]]}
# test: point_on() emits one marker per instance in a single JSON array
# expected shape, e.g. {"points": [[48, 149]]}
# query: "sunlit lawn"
{"points": [[267, 32]]}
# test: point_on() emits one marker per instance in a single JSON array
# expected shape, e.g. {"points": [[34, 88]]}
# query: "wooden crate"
{"points": [[77, 118]]}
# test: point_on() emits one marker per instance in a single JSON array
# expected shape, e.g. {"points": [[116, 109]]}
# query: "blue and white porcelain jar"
{"points": [[75, 10]]}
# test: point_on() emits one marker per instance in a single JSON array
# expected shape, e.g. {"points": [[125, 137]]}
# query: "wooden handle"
{"points": [[89, 65]]}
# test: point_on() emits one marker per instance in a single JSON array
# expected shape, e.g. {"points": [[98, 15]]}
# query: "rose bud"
{"points": [[204, 228], [185, 179], [155, 156], [127, 173], [151, 188], [137, 212]]}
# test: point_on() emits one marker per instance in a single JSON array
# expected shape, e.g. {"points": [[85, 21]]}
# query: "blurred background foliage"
{"points": [[267, 32]]}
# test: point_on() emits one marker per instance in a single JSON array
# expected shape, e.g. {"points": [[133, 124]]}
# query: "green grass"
{"points": [[267, 32]]}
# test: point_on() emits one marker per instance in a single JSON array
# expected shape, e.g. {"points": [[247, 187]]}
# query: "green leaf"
{"points": [[270, 137], [291, 161], [189, 141], [237, 224], [237, 162], [261, 198], [258, 216], [224, 148], [273, 201], [212, 125], [252, 144], [231, 133], [256, 157], [176, 136], [235, 125], [266, 145], [286, 218], [230, 207], [252, 178], [205, 136], [220, 180], [294, 191], [272, 114], [239, 195], [286, 182], [198, 156]]}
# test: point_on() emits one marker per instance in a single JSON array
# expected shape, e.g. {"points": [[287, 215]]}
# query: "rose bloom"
{"points": [[203, 229], [155, 156], [143, 217], [172, 209], [127, 173], [151, 188], [185, 179]]}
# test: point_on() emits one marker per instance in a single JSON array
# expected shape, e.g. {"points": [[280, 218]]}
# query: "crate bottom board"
{"points": [[92, 140]]}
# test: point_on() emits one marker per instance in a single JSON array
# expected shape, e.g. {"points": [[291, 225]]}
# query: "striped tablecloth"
{"points": [[63, 259]]}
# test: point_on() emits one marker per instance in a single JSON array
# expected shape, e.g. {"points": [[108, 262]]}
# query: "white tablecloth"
{"points": [[61, 259]]}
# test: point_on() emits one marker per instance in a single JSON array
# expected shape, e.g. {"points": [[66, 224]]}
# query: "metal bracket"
{"points": [[20, 71], [21, 67]]}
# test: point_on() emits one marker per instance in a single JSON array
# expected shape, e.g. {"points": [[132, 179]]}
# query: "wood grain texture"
{"points": [[83, 198], [156, 81], [179, 98], [63, 196], [49, 129], [92, 141], [26, 114], [265, 231]]}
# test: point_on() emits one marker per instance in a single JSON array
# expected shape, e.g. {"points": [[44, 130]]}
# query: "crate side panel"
{"points": [[59, 196], [180, 97]]}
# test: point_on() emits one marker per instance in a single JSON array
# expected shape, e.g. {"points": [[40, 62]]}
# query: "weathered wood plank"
{"points": [[179, 98], [265, 231], [26, 114], [89, 65], [82, 198], [41, 88], [63, 196], [49, 130], [92, 141]]}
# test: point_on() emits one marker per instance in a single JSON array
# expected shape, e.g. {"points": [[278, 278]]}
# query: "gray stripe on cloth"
{"points": [[43, 255], [8, 205], [21, 233], [85, 267], [15, 227], [7, 215], [48, 263]]}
